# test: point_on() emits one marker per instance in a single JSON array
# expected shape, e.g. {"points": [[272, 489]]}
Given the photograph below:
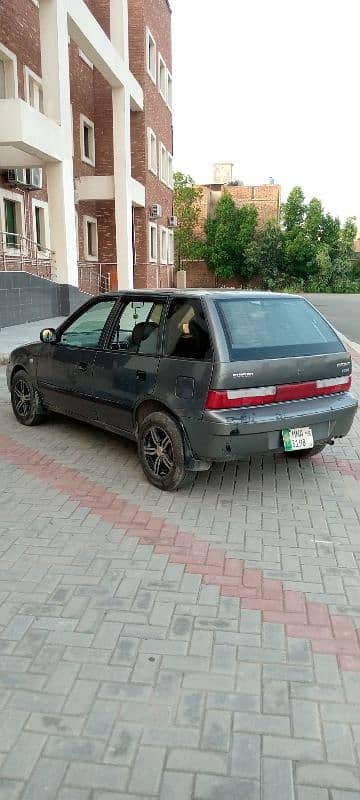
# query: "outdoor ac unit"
{"points": [[36, 178], [155, 211], [17, 176], [173, 221]]}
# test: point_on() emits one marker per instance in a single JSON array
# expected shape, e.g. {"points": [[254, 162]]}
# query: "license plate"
{"points": [[297, 439]]}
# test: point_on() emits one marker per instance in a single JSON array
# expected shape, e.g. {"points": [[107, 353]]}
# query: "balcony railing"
{"points": [[20, 254], [94, 277]]}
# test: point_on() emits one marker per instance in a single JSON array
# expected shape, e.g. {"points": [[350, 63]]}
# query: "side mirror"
{"points": [[48, 335]]}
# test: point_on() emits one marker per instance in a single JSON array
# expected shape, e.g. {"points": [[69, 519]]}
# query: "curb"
{"points": [[4, 359]]}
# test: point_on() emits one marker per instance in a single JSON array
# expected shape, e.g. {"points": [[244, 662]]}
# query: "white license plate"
{"points": [[297, 439]]}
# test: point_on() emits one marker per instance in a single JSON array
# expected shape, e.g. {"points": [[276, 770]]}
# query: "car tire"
{"points": [[161, 451], [313, 451], [25, 400]]}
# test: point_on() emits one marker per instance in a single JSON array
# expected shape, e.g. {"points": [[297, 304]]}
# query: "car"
{"points": [[193, 377]]}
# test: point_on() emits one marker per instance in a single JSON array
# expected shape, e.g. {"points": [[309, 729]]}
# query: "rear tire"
{"points": [[25, 400], [313, 451], [161, 451]]}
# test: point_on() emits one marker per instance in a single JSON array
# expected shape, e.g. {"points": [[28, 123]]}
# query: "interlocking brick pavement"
{"points": [[203, 644]]}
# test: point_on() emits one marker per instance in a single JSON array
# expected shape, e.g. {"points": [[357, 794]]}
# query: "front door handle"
{"points": [[81, 367], [141, 375]]}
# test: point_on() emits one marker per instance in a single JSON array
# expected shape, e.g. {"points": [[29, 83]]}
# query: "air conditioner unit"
{"points": [[155, 211], [17, 176], [173, 221], [36, 178]]}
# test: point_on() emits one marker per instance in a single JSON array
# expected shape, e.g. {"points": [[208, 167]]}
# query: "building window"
{"points": [[11, 220], [152, 152], [8, 74], [162, 79], [33, 90], [153, 256], [87, 140], [90, 239], [170, 247], [151, 55], [41, 230], [169, 91], [170, 171], [163, 163], [163, 245]]}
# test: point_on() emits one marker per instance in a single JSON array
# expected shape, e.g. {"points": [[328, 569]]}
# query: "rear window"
{"points": [[274, 327]]}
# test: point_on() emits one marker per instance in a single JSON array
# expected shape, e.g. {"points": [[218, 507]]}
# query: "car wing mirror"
{"points": [[48, 335]]}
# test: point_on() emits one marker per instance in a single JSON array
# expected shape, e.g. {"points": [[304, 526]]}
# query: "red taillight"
{"points": [[240, 398]]}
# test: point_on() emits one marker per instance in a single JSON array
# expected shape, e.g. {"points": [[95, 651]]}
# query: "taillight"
{"points": [[240, 398]]}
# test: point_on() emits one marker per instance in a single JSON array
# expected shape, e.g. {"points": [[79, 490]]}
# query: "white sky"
{"points": [[274, 87]]}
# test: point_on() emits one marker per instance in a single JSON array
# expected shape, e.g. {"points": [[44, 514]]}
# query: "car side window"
{"points": [[137, 330], [88, 327], [187, 333]]}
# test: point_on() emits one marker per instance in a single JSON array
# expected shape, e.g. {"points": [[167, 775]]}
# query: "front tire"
{"points": [[161, 451], [25, 400]]}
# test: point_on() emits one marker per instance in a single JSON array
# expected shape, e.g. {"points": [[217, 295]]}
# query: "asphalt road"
{"points": [[342, 310]]}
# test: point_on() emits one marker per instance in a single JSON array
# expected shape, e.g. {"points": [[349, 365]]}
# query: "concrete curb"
{"points": [[4, 358]]}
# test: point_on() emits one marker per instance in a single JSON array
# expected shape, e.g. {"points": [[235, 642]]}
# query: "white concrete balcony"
{"points": [[102, 187], [27, 137]]}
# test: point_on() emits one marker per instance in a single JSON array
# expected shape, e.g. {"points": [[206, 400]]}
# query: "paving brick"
{"points": [[12, 722], [100, 720], [209, 787], [10, 790], [81, 697], [328, 775], [278, 779], [61, 724], [20, 762], [276, 697], [147, 772], [217, 729], [233, 702], [261, 723], [306, 721], [176, 785], [74, 748], [310, 793], [293, 749], [245, 757], [192, 761], [123, 745], [339, 743], [97, 776]]}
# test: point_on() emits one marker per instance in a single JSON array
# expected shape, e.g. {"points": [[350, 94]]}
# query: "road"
{"points": [[343, 310]]}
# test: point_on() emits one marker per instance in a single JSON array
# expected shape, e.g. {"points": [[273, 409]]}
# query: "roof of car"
{"points": [[214, 293]]}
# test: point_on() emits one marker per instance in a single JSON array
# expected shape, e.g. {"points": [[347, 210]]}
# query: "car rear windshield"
{"points": [[274, 327]]}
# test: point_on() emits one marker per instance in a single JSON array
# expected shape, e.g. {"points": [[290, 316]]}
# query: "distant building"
{"points": [[266, 198]]}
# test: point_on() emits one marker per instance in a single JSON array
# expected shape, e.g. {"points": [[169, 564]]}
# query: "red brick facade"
{"points": [[91, 96]]}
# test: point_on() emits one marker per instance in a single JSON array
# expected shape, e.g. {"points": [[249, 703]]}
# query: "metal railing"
{"points": [[94, 276], [19, 253]]}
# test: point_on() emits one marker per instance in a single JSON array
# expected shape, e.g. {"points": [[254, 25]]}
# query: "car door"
{"points": [[126, 370], [187, 363], [65, 370]]}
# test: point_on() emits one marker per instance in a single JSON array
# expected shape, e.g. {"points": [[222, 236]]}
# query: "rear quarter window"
{"points": [[274, 327]]}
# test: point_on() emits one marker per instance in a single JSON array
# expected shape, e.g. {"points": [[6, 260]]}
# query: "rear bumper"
{"points": [[231, 435]]}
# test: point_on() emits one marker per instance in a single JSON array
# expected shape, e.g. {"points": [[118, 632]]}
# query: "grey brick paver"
{"points": [[139, 681]]}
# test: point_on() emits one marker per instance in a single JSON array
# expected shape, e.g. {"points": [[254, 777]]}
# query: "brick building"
{"points": [[86, 141], [266, 199]]}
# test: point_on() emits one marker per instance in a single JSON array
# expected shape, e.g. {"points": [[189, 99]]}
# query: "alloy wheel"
{"points": [[158, 452]]}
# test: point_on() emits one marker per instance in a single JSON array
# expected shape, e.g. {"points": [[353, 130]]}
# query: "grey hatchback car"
{"points": [[192, 376]]}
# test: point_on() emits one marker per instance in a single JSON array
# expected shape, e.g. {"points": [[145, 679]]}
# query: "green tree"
{"points": [[229, 231], [187, 206], [294, 210], [264, 256]]}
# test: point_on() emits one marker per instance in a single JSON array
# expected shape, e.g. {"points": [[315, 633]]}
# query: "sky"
{"points": [[272, 86]]}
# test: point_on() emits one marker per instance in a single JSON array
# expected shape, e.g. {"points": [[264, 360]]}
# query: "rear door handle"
{"points": [[81, 367], [141, 375]]}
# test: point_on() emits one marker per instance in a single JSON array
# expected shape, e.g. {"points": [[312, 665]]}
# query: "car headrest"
{"points": [[142, 331]]}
